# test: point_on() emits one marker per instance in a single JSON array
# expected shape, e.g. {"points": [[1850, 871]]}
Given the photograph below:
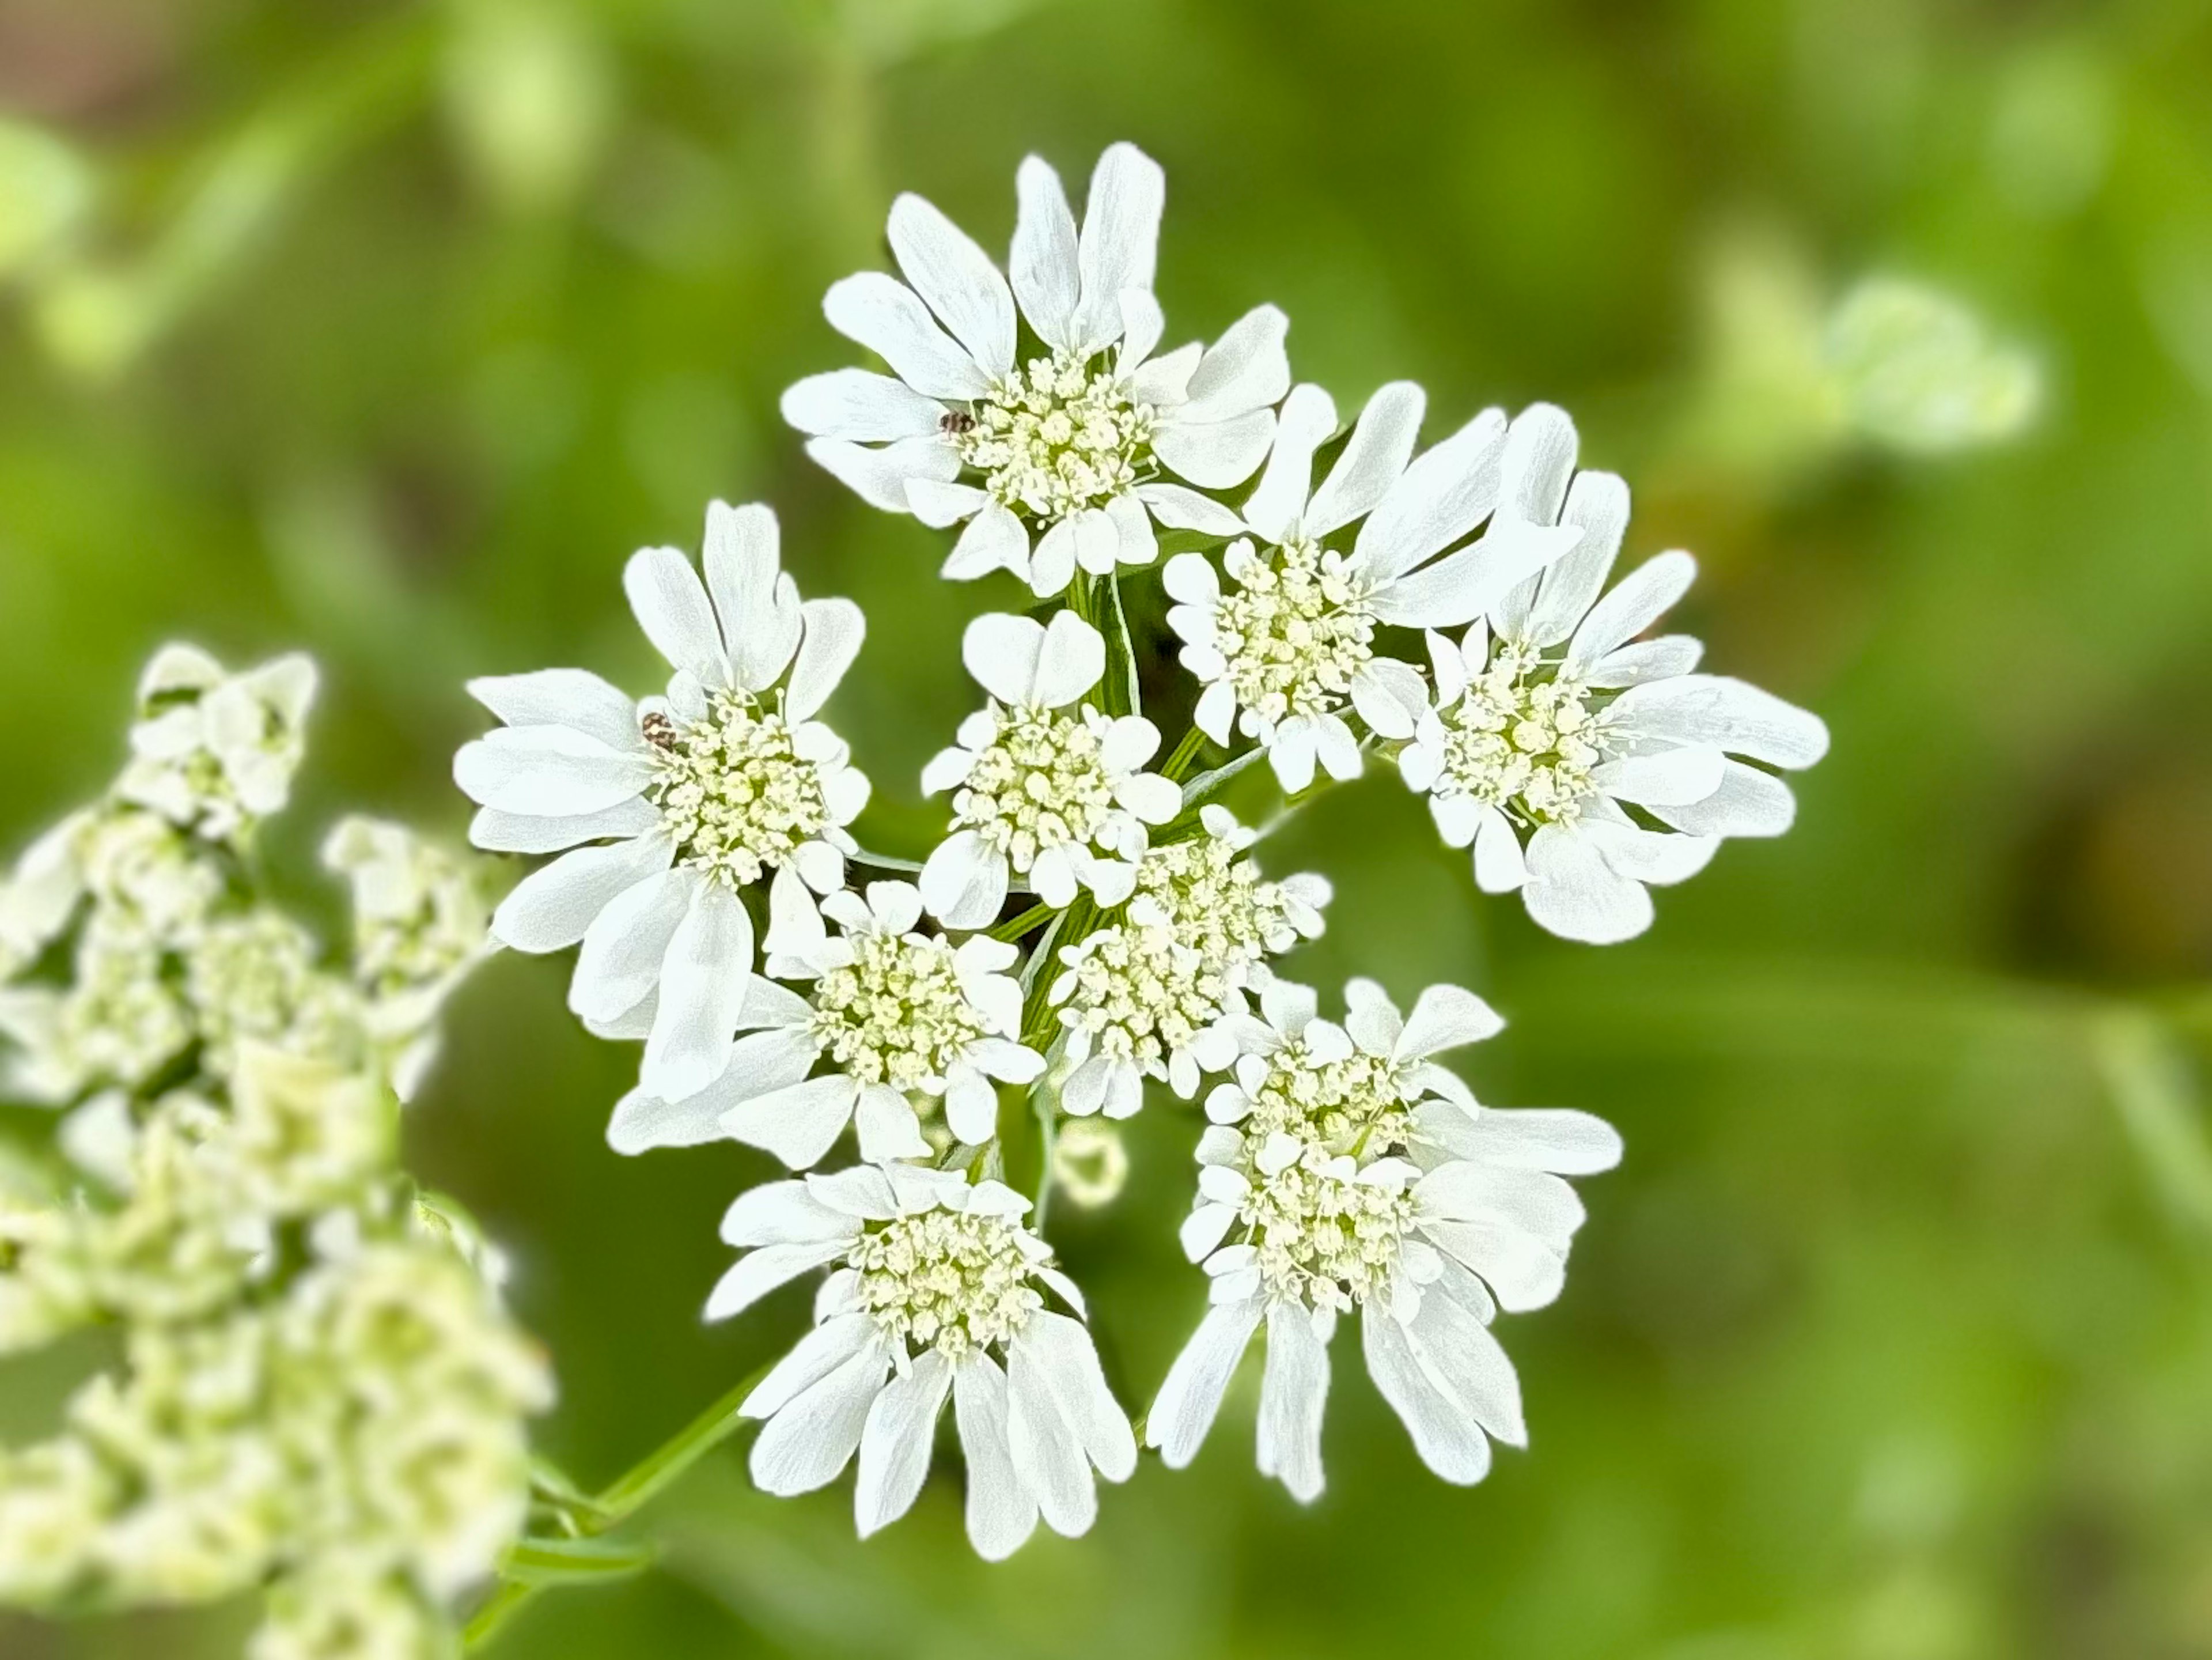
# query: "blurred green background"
{"points": [[388, 331]]}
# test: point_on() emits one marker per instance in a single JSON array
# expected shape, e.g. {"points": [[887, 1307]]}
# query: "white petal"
{"points": [[834, 631], [760, 1272], [619, 965], [1120, 242], [1046, 1453], [887, 1127], [1214, 454], [783, 1213], [1043, 264], [671, 603], [561, 698], [643, 1122], [1097, 540], [813, 1359], [1071, 660], [1370, 1017], [1637, 601], [938, 505], [1185, 1408], [957, 281], [1572, 892], [1135, 542], [1460, 1352], [550, 908], [1739, 718], [1293, 1395], [1277, 506], [964, 882], [1448, 1440], [1555, 1139], [896, 1444], [1051, 563], [1659, 857], [1245, 372], [889, 320], [1673, 777], [1598, 503], [1390, 697], [548, 772], [1000, 652], [1640, 660], [703, 988], [1067, 1363], [993, 540], [1748, 802], [1445, 493], [515, 832], [1002, 1514], [860, 406], [1373, 460], [1539, 460], [808, 1443], [882, 477], [1179, 508], [1499, 866], [971, 1106], [798, 1121]]}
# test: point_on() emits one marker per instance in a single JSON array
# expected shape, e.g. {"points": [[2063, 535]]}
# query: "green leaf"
{"points": [[574, 1561]]}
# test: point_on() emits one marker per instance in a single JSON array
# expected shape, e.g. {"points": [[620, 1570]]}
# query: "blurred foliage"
{"points": [[388, 329]]}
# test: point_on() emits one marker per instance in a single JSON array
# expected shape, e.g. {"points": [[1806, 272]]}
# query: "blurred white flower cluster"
{"points": [[1093, 917], [318, 1391]]}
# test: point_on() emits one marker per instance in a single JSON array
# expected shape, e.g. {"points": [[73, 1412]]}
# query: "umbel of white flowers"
{"points": [[1093, 918], [318, 1392]]}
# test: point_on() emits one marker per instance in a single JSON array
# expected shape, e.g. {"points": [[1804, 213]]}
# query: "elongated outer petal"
{"points": [[1066, 1360], [993, 540], [862, 406], [1573, 892], [889, 320], [1748, 802], [548, 772], [1458, 1351], [1555, 1139], [881, 477], [1446, 1018], [1597, 503], [1071, 660], [757, 1273], [1179, 508], [1213, 453], [1047, 1456], [561, 698], [1047, 278], [516, 832], [1449, 490], [702, 990], [1374, 459], [1191, 1396], [1306, 422], [957, 279], [1293, 1395], [895, 1443], [618, 966], [808, 1443], [1120, 242], [1448, 1440], [1728, 714], [812, 1358], [798, 1121], [1001, 1511], [1244, 371], [671, 603], [1638, 601], [1000, 652], [551, 908], [834, 631]]}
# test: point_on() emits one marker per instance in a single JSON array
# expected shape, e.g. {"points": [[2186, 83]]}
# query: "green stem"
{"points": [[1048, 1127], [630, 1493], [1015, 927], [1184, 753]]}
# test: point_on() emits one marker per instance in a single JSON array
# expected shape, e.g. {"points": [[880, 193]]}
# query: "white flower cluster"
{"points": [[1092, 917], [317, 1393]]}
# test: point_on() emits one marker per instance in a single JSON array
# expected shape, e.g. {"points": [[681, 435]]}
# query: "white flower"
{"points": [[213, 751], [1071, 443], [1039, 789], [931, 1292], [669, 806], [118, 1021], [895, 1013], [1554, 719], [1354, 1172], [1136, 1002], [1215, 900], [1293, 647]]}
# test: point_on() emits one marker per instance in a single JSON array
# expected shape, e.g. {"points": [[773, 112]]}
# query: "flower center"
{"points": [[1041, 783], [896, 1013], [1140, 993], [1294, 633], [1055, 438], [945, 1280], [1323, 1236], [734, 795], [1526, 738], [1215, 901], [1352, 1106]]}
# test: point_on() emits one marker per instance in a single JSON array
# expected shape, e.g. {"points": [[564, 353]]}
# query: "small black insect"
{"points": [[660, 731], [956, 423]]}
